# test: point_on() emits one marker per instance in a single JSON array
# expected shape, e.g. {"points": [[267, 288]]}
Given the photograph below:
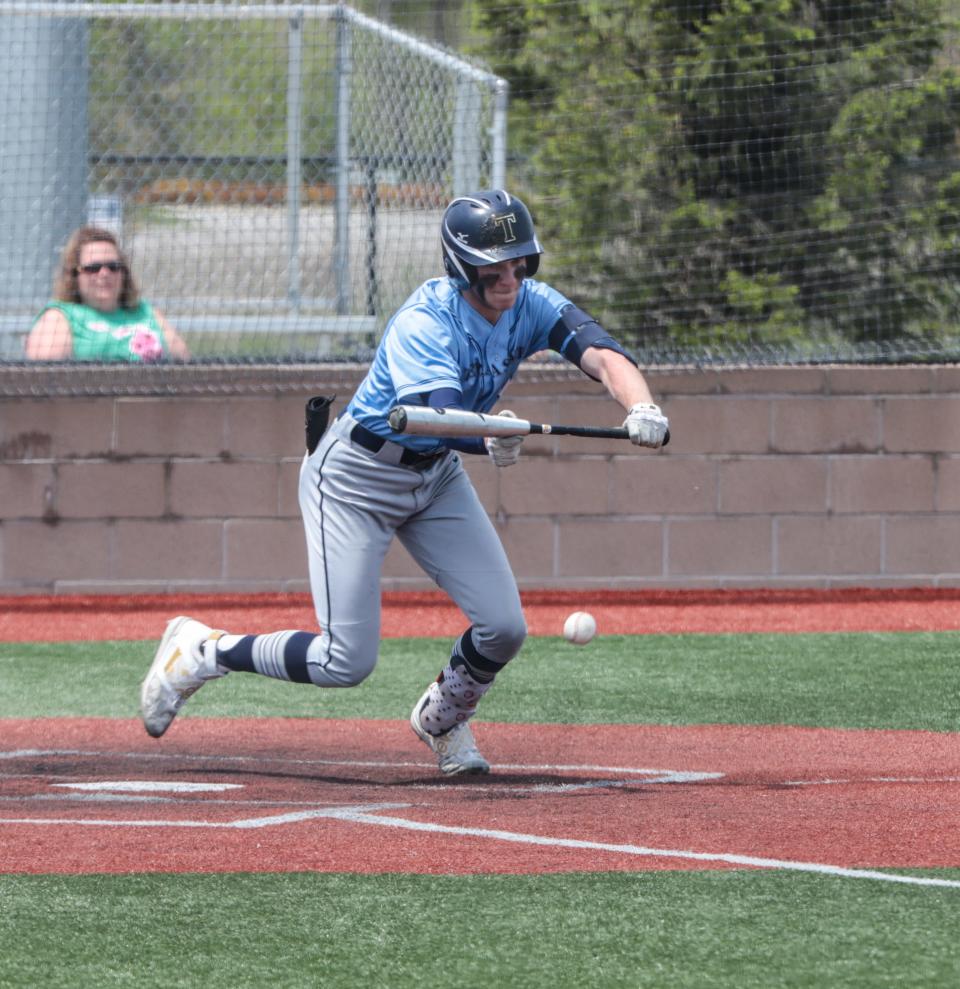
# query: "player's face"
{"points": [[497, 287], [100, 275]]}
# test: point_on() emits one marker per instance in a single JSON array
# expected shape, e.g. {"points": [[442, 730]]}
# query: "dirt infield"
{"points": [[59, 618], [94, 795]]}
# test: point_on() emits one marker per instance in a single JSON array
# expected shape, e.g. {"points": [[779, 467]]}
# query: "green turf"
{"points": [[890, 680], [670, 929], [725, 929]]}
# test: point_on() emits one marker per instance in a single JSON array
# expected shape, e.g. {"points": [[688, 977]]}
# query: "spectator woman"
{"points": [[96, 313]]}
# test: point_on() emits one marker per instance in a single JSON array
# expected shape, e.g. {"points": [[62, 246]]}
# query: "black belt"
{"points": [[409, 458]]}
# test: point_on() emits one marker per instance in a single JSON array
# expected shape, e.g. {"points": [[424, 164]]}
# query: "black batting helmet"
{"points": [[484, 228]]}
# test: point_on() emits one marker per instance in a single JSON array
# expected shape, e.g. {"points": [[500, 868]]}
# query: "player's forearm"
{"points": [[624, 382]]}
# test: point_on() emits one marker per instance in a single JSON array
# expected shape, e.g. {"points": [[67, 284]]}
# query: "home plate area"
{"points": [[226, 795]]}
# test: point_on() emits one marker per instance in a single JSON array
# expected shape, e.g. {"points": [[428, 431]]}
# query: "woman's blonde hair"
{"points": [[65, 286]]}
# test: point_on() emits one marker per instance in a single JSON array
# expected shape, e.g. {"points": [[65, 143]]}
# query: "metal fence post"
{"points": [[341, 247], [466, 138], [294, 154], [371, 237], [43, 149], [498, 153]]}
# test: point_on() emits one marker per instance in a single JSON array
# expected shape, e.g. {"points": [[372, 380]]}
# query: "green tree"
{"points": [[739, 171]]}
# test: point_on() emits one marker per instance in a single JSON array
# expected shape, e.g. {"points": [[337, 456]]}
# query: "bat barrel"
{"points": [[425, 421]]}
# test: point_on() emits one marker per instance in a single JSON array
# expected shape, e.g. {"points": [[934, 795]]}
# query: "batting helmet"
{"points": [[484, 228]]}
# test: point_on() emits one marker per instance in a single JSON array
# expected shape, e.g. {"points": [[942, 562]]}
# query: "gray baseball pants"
{"points": [[353, 503]]}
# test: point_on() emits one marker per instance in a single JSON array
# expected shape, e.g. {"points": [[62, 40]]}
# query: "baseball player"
{"points": [[455, 343]]}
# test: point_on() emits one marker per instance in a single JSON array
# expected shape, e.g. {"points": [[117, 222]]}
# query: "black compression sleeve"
{"points": [[575, 331]]}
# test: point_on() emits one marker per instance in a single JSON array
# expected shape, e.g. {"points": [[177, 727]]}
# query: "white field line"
{"points": [[640, 775], [349, 763], [874, 779], [149, 786], [245, 823], [361, 814], [153, 799], [730, 859], [94, 793]]}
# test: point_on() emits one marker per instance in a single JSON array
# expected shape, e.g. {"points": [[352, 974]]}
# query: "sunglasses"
{"points": [[95, 268]]}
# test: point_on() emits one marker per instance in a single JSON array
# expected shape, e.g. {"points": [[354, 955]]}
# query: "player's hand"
{"points": [[504, 450], [647, 425]]}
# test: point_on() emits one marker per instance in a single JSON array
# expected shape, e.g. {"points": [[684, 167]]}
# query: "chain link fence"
{"points": [[275, 171], [744, 183], [718, 183]]}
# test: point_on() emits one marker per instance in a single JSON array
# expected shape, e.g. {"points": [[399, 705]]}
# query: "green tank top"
{"points": [[124, 335]]}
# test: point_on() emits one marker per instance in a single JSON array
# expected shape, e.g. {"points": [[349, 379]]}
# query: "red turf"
{"points": [[849, 799], [65, 618]]}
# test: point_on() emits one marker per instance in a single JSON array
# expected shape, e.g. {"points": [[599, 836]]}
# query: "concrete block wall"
{"points": [[775, 477]]}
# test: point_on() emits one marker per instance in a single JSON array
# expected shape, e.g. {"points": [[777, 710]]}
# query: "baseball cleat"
{"points": [[456, 750], [181, 666]]}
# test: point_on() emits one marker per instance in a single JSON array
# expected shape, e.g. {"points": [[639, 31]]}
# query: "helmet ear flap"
{"points": [[462, 274], [533, 264]]}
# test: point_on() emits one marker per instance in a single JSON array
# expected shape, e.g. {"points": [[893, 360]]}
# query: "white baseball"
{"points": [[580, 628]]}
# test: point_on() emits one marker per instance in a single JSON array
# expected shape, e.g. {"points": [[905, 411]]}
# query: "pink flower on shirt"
{"points": [[146, 345]]}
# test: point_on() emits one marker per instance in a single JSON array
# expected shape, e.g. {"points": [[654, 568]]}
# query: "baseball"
{"points": [[580, 628]]}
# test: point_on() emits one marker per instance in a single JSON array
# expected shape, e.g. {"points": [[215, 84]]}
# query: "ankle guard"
{"points": [[452, 698]]}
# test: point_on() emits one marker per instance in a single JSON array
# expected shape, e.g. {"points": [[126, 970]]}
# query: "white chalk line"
{"points": [[148, 792], [874, 779], [153, 799], [669, 776], [149, 786], [644, 776], [343, 763], [244, 823], [727, 858], [363, 814]]}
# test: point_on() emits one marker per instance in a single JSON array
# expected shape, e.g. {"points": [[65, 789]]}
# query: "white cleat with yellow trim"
{"points": [[185, 660]]}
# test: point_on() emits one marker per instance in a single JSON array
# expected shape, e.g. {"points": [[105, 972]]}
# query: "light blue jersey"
{"points": [[437, 340]]}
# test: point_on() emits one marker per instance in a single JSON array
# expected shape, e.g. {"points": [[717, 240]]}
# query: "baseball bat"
{"points": [[422, 420]]}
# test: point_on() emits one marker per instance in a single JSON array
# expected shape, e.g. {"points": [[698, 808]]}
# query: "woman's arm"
{"points": [[175, 344], [50, 338]]}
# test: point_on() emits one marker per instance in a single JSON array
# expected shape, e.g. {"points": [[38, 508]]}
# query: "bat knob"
{"points": [[397, 418]]}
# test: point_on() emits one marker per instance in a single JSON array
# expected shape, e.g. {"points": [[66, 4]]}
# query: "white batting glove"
{"points": [[646, 424], [504, 450]]}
